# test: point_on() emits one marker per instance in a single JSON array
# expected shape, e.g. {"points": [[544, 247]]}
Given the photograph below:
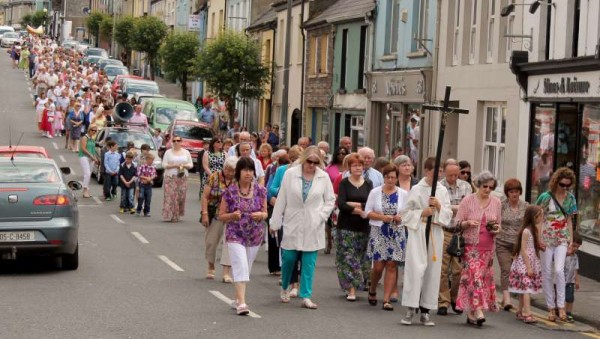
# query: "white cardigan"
{"points": [[303, 222], [169, 158], [375, 203]]}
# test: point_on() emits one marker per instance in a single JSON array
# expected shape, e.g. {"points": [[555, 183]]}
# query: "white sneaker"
{"points": [[426, 320], [407, 320]]}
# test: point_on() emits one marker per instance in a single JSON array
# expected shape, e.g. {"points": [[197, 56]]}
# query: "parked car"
{"points": [[105, 62], [113, 70], [93, 51], [163, 111], [193, 135], [82, 46], [39, 211], [4, 29], [93, 59], [70, 44], [134, 86], [23, 151], [118, 82], [9, 38], [123, 135], [141, 97]]}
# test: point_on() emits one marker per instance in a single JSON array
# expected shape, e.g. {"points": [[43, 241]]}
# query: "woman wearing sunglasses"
{"points": [[176, 162], [559, 205], [479, 217], [304, 203], [87, 156]]}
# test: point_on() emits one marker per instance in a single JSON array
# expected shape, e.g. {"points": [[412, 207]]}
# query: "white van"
{"points": [[4, 29]]}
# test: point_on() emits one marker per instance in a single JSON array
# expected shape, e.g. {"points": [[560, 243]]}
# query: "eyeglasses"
{"points": [[312, 162], [465, 172], [563, 185], [490, 187], [387, 177], [178, 140]]}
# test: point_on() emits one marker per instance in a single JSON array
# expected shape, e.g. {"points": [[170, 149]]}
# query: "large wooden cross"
{"points": [[446, 111]]}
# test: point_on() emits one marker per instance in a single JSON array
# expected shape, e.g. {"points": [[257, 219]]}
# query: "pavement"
{"points": [[169, 89], [145, 278]]}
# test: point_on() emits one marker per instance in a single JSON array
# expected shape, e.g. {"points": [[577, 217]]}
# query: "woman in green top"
{"points": [[87, 154], [24, 61], [559, 205]]}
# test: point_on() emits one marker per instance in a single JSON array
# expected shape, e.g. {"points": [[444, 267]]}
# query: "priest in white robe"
{"points": [[424, 263]]}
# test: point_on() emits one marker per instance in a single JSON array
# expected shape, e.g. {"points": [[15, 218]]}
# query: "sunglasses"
{"points": [[465, 172], [313, 162], [564, 185], [93, 130], [177, 140]]}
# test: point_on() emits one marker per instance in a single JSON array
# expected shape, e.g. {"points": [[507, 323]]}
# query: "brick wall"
{"points": [[317, 89]]}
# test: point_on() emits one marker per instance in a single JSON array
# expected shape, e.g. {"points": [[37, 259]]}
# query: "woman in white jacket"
{"points": [[303, 205], [387, 240]]}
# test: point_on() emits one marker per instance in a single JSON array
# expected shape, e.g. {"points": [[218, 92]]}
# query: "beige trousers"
{"points": [[215, 234], [450, 277]]}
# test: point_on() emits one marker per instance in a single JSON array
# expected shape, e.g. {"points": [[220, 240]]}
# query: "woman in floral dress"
{"points": [[213, 160], [559, 205], [479, 216], [387, 240]]}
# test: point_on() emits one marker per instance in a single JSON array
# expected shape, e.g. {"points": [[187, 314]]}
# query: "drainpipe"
{"points": [[274, 29], [303, 69], [369, 77]]}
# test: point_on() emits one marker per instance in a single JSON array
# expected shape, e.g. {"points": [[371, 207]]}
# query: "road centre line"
{"points": [[170, 263], [140, 237], [117, 219], [228, 301], [62, 158], [55, 145]]}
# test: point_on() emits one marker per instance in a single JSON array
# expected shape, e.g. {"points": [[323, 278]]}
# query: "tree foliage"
{"points": [[106, 28], [231, 66], [177, 54], [26, 20], [147, 37], [124, 32], [92, 22], [39, 18]]}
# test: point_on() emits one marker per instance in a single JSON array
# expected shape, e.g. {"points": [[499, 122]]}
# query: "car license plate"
{"points": [[17, 236]]}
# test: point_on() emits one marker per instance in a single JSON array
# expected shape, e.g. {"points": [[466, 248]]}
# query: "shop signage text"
{"points": [[398, 86], [566, 85]]}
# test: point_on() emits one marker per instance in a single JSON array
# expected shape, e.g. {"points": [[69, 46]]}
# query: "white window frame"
{"points": [[455, 42], [495, 147], [491, 36], [473, 32], [510, 27], [393, 22], [422, 23]]}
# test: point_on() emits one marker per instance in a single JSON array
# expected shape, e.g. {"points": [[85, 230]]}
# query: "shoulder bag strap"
{"points": [[562, 210]]}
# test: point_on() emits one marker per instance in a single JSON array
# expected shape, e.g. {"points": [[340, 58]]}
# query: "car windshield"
{"points": [[28, 173], [141, 88], [114, 71], [11, 35], [4, 30], [165, 115], [22, 155], [122, 137], [192, 132], [96, 52]]}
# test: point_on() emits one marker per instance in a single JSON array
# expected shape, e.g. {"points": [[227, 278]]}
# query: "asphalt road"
{"points": [[143, 278]]}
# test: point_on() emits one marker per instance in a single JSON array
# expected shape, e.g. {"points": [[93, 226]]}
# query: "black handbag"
{"points": [[456, 248]]}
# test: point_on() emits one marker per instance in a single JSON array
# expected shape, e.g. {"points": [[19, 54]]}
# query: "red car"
{"points": [[22, 151], [116, 85], [193, 135]]}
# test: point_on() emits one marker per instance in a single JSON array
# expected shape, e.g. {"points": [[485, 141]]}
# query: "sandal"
{"points": [[210, 274], [307, 303], [387, 306], [507, 307], [551, 315], [227, 279], [562, 315], [372, 301], [519, 315], [471, 322], [529, 319]]}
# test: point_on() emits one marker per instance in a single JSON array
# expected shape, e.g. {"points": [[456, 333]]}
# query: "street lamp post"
{"points": [[45, 19]]}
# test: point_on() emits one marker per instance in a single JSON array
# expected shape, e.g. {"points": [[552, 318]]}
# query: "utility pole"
{"points": [[286, 75], [113, 45]]}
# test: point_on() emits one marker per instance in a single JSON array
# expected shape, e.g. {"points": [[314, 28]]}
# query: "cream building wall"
{"points": [[473, 60], [216, 18]]}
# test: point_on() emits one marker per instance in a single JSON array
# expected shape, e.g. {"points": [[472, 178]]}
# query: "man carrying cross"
{"points": [[427, 211]]}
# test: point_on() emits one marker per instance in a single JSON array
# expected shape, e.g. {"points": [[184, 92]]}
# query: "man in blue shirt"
{"points": [[207, 115], [369, 173], [112, 161]]}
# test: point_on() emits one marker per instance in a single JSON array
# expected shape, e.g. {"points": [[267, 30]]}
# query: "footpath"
{"points": [[168, 89]]}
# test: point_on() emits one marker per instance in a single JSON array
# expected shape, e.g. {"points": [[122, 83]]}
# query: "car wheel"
{"points": [[70, 262]]}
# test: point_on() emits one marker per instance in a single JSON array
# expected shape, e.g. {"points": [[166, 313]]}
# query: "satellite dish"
{"points": [[86, 10]]}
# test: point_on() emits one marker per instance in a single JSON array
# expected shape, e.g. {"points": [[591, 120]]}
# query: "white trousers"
{"points": [[554, 258], [241, 258], [87, 173]]}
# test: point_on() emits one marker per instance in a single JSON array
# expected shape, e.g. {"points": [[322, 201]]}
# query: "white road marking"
{"points": [[140, 237], [55, 145], [31, 96], [62, 158], [117, 219], [228, 301], [97, 200], [170, 263]]}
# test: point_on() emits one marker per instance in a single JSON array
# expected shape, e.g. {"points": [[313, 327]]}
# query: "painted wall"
{"points": [[215, 20]]}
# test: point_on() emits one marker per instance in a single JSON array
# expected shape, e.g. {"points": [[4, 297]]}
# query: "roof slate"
{"points": [[343, 10]]}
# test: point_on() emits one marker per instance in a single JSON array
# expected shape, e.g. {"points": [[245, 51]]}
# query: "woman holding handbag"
{"points": [[479, 216], [559, 205]]}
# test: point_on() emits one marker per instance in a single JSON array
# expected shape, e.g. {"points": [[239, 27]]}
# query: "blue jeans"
{"points": [[127, 197], [144, 198], [110, 185]]}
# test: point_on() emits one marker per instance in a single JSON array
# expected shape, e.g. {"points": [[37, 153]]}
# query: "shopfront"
{"points": [[564, 99], [395, 111]]}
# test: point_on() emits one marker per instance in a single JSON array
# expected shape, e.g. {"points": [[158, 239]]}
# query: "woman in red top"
{"points": [[479, 216], [264, 155]]}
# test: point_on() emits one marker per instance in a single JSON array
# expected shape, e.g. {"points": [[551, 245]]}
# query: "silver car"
{"points": [[9, 38], [39, 211]]}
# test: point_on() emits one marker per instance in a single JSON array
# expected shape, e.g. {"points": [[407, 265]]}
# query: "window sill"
{"points": [[360, 91], [389, 57], [312, 76], [322, 75], [416, 54]]}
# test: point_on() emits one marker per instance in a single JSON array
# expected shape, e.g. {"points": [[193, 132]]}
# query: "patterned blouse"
{"points": [[555, 231], [218, 185], [246, 232], [511, 222]]}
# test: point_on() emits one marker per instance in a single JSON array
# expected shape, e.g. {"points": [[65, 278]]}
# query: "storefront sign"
{"points": [[194, 22], [572, 85], [408, 86]]}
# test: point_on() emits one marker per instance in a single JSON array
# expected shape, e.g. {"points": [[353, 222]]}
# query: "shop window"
{"points": [[413, 133], [357, 130], [542, 149], [494, 143], [588, 190]]}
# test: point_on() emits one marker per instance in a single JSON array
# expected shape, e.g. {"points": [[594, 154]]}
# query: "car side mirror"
{"points": [[65, 170], [74, 185]]}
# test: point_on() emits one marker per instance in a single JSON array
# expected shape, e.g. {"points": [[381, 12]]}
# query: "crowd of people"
{"points": [[378, 218]]}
